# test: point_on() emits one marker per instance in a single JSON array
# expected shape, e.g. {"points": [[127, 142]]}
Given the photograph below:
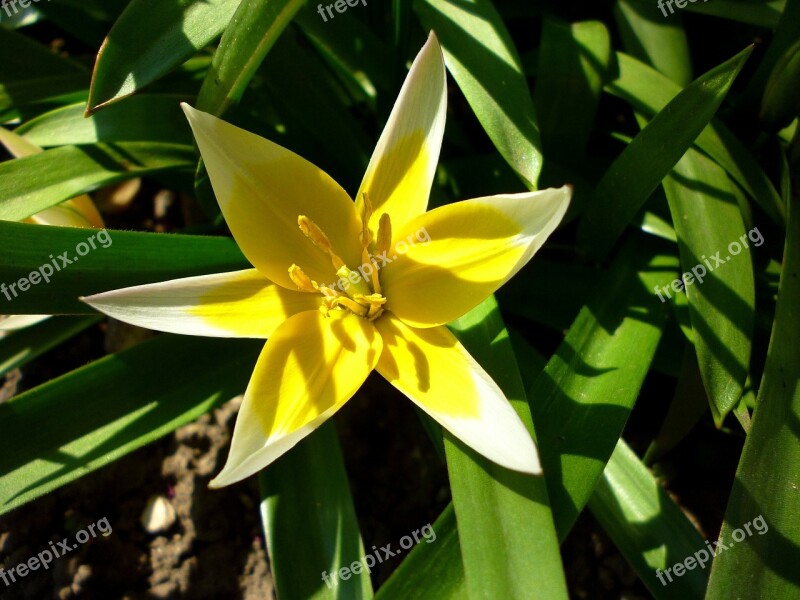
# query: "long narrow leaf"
{"points": [[720, 289], [582, 399], [649, 92], [150, 38], [29, 185], [119, 259], [649, 157], [253, 30], [481, 57], [768, 478], [648, 527]]}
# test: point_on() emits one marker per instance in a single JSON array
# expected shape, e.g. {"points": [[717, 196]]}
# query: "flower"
{"points": [[298, 228]]}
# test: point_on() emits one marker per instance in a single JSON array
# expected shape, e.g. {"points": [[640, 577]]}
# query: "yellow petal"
{"points": [[78, 212], [450, 259], [17, 145], [401, 170], [309, 368], [436, 372], [262, 189], [237, 304]]}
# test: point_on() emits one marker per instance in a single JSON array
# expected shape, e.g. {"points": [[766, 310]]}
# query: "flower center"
{"points": [[357, 290]]}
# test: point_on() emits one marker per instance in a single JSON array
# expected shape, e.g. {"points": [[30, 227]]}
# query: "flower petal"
{"points": [[78, 212], [401, 170], [262, 188], [14, 322], [309, 368], [450, 259], [236, 304], [437, 373]]}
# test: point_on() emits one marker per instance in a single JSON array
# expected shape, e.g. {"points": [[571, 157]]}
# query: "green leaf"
{"points": [[147, 117], [351, 47], [59, 89], [150, 38], [310, 522], [768, 476], [29, 185], [431, 570], [582, 399], [77, 423], [634, 175], [254, 28], [648, 92], [127, 259], [508, 541], [22, 346], [654, 40], [786, 33], [573, 65], [781, 102], [648, 528], [43, 76], [720, 289], [763, 14], [40, 61], [481, 57]]}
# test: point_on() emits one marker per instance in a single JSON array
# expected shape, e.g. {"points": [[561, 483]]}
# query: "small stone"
{"points": [[158, 516]]}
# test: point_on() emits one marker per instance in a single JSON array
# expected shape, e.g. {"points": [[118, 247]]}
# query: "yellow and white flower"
{"points": [[298, 228]]}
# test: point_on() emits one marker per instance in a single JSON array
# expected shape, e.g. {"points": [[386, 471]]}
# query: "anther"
{"points": [[312, 231], [366, 215], [301, 280], [384, 235]]}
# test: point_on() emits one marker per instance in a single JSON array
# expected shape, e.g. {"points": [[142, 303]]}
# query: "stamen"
{"points": [[374, 280], [384, 235], [366, 234], [312, 231], [371, 299], [301, 280], [375, 301], [356, 308]]}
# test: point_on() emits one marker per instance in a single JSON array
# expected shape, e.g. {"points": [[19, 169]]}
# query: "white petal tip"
{"points": [[216, 484]]}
